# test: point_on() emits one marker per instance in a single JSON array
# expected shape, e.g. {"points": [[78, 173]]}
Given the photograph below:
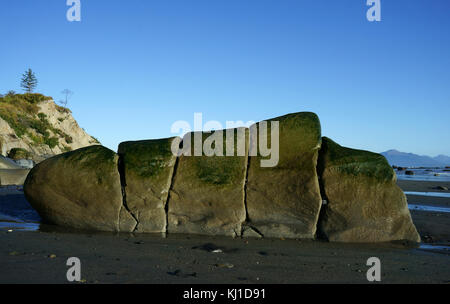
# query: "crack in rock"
{"points": [[121, 169]]}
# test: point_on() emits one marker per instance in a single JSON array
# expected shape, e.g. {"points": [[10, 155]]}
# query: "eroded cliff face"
{"points": [[43, 128]]}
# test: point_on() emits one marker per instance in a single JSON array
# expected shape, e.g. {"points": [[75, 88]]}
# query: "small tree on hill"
{"points": [[67, 94], [29, 81]]}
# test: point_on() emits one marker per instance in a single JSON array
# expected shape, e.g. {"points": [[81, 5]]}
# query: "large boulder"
{"points": [[11, 173], [284, 200], [364, 204], [147, 168], [240, 188], [207, 195], [79, 189], [7, 163]]}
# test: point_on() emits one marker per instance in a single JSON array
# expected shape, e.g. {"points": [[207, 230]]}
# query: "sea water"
{"points": [[425, 174]]}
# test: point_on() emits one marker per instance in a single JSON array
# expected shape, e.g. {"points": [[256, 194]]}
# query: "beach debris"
{"points": [[441, 188], [52, 256], [10, 230], [179, 273], [428, 239], [210, 247], [224, 265]]}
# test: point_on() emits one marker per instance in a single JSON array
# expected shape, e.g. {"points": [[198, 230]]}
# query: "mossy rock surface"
{"points": [[147, 158], [355, 162], [148, 189], [223, 171], [284, 201], [207, 195], [147, 168], [364, 204], [79, 189], [19, 153]]}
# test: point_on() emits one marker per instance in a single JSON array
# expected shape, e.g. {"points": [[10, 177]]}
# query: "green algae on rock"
{"points": [[249, 186], [147, 168], [79, 189], [207, 195], [19, 153], [285, 200], [364, 204]]}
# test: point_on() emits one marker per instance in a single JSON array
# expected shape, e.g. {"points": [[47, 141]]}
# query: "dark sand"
{"points": [[433, 227], [422, 186], [25, 257]]}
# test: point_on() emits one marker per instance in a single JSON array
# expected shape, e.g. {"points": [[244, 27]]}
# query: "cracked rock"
{"points": [[364, 202], [207, 195], [285, 200], [79, 189], [147, 168]]}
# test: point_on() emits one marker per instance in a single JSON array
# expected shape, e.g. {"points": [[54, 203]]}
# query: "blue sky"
{"points": [[137, 66]]}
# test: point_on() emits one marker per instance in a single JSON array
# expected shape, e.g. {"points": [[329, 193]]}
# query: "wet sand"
{"points": [[25, 258], [40, 256], [422, 186], [433, 227]]}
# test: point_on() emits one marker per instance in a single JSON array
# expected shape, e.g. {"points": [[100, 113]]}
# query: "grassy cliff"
{"points": [[33, 122]]}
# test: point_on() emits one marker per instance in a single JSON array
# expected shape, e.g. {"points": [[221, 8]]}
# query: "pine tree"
{"points": [[29, 81]]}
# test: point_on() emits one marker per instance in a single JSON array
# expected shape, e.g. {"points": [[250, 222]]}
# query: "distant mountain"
{"points": [[443, 159], [403, 159]]}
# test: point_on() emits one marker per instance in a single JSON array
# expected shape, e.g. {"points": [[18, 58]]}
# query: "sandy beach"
{"points": [[40, 256], [434, 227], [206, 144]]}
